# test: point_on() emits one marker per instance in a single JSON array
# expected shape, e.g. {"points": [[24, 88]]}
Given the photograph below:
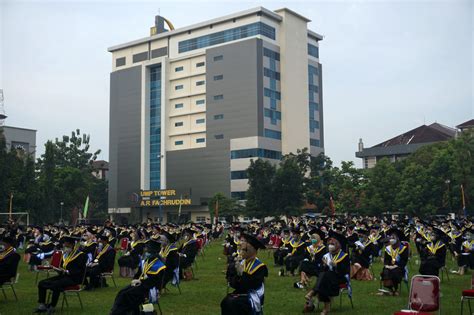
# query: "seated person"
{"points": [[147, 279], [395, 260], [9, 259], [433, 255], [71, 273], [169, 255], [187, 252], [131, 258], [297, 254], [42, 250], [283, 249], [312, 263], [103, 262], [362, 257], [336, 266], [466, 254], [247, 279]]}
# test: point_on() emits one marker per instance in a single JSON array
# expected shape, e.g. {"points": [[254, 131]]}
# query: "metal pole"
{"points": [[11, 204], [62, 203]]}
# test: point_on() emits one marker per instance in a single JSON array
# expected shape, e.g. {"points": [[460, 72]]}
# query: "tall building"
{"points": [[190, 107]]}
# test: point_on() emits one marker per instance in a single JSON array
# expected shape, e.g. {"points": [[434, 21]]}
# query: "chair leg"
{"points": [[340, 299], [462, 304], [350, 299], [62, 303], [80, 300], [36, 280], [159, 307], [179, 288], [469, 304], [4, 294], [113, 280], [14, 293]]}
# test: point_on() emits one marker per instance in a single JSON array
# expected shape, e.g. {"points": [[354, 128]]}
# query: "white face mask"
{"points": [[331, 247], [393, 241], [100, 246], [2, 248]]}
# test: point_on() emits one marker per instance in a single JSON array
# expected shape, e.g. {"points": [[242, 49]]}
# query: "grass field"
{"points": [[203, 296]]}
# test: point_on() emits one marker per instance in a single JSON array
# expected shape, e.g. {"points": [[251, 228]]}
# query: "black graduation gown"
{"points": [[237, 303], [190, 249], [433, 257], [312, 264], [129, 298], [135, 250], [329, 280], [396, 274], [9, 260]]}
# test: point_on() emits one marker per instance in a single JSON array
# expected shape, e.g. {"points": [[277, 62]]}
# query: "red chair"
{"points": [[468, 295], [108, 274], [71, 291], [56, 260], [424, 295], [123, 245]]}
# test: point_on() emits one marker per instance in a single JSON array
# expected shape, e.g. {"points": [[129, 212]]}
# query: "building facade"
{"points": [[403, 145], [189, 108], [21, 139]]}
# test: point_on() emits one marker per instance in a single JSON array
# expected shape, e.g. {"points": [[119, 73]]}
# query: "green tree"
{"points": [[227, 207], [260, 194], [288, 185], [382, 188], [319, 182]]}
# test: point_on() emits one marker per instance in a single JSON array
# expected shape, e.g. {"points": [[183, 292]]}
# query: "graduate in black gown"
{"points": [[131, 258], [247, 280], [433, 255], [187, 252], [395, 261], [71, 273], [104, 262], [282, 251], [312, 263], [362, 257], [9, 259], [336, 269], [146, 282]]}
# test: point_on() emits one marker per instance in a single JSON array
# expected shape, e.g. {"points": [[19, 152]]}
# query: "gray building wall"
{"points": [[21, 137], [207, 170], [124, 137]]}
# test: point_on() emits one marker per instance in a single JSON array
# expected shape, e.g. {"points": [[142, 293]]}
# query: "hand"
{"points": [[135, 282], [239, 268], [309, 295]]}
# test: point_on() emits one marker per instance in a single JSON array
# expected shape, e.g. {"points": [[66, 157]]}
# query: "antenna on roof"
{"points": [[2, 109]]}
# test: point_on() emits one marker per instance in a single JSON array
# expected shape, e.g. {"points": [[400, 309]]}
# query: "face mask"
{"points": [[67, 250], [393, 241], [331, 247], [100, 246], [146, 255], [314, 242], [2, 248]]}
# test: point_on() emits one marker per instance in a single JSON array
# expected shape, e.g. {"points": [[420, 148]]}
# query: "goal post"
{"points": [[18, 217]]}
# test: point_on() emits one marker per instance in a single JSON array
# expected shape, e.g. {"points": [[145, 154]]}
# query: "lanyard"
{"points": [[103, 251], [69, 258], [394, 253], [248, 266], [6, 253], [433, 248], [147, 267], [338, 258]]}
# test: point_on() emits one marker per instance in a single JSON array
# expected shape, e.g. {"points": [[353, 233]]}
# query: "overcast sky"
{"points": [[388, 66]]}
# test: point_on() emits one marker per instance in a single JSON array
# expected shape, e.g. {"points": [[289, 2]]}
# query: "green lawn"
{"points": [[203, 296]]}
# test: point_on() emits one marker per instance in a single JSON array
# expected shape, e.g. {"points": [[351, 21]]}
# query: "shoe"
{"points": [[298, 285], [281, 273], [51, 310], [42, 308]]}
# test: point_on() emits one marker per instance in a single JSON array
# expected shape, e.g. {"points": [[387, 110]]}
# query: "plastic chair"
{"points": [[10, 285], [346, 287], [424, 295], [56, 260], [108, 274], [468, 295], [73, 290]]}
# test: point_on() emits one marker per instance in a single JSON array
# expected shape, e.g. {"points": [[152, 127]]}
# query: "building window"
{"points": [[255, 153], [155, 127], [200, 64], [178, 69], [244, 31], [218, 58], [200, 140], [120, 62], [219, 136], [200, 102], [178, 124], [271, 74], [239, 175], [198, 83], [200, 121], [274, 115], [314, 142], [218, 97], [271, 54], [218, 77], [180, 142], [268, 133], [272, 94], [239, 195], [179, 105], [200, 219], [140, 57], [220, 116], [313, 51], [178, 87]]}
